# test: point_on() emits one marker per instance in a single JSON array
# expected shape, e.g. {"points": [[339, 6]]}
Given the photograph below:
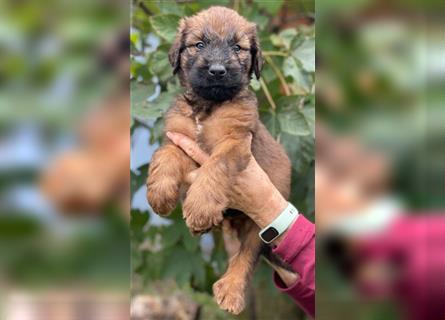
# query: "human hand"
{"points": [[252, 192]]}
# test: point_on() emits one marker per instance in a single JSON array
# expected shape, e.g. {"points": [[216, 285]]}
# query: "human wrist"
{"points": [[270, 210], [279, 226]]}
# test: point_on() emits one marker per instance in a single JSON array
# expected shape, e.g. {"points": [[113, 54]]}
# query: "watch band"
{"points": [[279, 225]]}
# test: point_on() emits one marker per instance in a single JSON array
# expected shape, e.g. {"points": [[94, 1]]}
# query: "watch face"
{"points": [[269, 234]]}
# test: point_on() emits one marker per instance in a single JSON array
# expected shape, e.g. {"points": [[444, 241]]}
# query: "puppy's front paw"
{"points": [[162, 193], [203, 209], [229, 294]]}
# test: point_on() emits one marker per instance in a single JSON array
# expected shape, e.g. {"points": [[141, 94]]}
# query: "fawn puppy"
{"points": [[215, 54]]}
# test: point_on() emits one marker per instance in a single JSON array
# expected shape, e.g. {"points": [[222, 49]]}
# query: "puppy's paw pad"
{"points": [[229, 295]]}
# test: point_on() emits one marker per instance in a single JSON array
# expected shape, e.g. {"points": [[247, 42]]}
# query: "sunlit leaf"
{"points": [[284, 38], [305, 53], [255, 84], [287, 36], [292, 69]]}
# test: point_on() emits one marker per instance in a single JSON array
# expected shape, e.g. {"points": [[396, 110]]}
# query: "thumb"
{"points": [[190, 147]]}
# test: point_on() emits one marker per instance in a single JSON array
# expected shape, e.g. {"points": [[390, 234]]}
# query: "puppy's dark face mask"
{"points": [[216, 67], [215, 55]]}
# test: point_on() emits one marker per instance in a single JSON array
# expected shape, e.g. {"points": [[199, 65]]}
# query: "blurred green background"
{"points": [[50, 76], [166, 259], [380, 80]]}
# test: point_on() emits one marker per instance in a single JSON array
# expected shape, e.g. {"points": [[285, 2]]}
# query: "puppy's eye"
{"points": [[200, 45], [236, 48]]}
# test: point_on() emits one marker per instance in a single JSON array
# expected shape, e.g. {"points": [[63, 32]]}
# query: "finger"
{"points": [[189, 146]]}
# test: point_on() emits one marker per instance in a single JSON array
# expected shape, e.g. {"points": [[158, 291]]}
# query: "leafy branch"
{"points": [[275, 53], [267, 94], [279, 75]]}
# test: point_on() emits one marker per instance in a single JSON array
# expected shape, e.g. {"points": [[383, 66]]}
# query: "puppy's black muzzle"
{"points": [[217, 71]]}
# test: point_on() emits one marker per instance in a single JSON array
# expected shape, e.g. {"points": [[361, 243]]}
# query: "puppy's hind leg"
{"points": [[230, 290]]}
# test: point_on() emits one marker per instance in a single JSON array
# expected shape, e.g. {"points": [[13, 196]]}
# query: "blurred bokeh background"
{"points": [[64, 146], [64, 207], [173, 272], [380, 201]]}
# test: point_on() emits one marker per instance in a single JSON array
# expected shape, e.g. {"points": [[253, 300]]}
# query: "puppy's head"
{"points": [[215, 53]]}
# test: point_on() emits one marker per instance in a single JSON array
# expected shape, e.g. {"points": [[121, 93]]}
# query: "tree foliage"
{"points": [[285, 93]]}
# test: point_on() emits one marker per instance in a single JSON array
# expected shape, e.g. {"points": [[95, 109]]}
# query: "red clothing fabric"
{"points": [[415, 248], [298, 250]]}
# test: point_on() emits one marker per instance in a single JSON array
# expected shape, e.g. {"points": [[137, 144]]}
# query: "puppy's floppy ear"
{"points": [[174, 54], [255, 51]]}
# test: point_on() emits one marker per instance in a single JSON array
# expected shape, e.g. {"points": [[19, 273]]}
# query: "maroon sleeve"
{"points": [[298, 250]]}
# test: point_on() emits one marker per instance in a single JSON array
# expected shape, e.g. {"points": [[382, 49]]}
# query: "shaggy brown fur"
{"points": [[221, 128]]}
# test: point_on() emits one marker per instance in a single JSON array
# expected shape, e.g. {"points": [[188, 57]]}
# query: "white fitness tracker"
{"points": [[279, 225]]}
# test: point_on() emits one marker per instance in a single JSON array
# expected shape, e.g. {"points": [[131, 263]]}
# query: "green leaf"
{"points": [[139, 70], [176, 264], [292, 119], [255, 84], [284, 39], [170, 6], [135, 39], [171, 235], [138, 220], [305, 53], [270, 6], [261, 21], [270, 120], [163, 101], [251, 13], [276, 40], [181, 266], [157, 131], [139, 94], [294, 122], [198, 269], [153, 110], [160, 66], [287, 36], [300, 150], [292, 69], [191, 243], [309, 114], [165, 25]]}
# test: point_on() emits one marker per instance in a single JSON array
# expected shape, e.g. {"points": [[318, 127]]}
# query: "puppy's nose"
{"points": [[217, 70]]}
